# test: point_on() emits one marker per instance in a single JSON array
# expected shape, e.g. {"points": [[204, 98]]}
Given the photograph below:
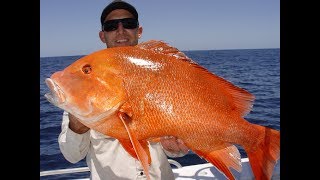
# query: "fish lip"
{"points": [[56, 95]]}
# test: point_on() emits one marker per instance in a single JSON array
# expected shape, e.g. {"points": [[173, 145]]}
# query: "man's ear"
{"points": [[101, 35], [140, 32]]}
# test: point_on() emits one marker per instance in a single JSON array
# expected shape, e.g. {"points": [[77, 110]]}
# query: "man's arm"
{"points": [[76, 126], [74, 139]]}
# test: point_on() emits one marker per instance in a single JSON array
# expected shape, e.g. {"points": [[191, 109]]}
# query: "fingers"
{"points": [[183, 148], [174, 145], [169, 144]]}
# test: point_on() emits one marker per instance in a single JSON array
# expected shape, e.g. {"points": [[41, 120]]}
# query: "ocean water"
{"points": [[256, 70]]}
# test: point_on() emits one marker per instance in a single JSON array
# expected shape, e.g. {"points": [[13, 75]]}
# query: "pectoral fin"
{"points": [[140, 147], [127, 145]]}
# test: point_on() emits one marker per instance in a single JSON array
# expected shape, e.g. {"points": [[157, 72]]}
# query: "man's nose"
{"points": [[120, 28]]}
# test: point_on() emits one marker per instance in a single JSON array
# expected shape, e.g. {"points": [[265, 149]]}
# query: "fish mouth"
{"points": [[56, 95]]}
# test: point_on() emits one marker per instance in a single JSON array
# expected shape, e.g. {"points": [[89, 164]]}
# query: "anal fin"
{"points": [[223, 159]]}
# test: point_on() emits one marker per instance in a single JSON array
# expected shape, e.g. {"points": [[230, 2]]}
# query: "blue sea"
{"points": [[256, 70]]}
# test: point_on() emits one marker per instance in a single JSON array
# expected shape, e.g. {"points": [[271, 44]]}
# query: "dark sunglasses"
{"points": [[127, 23]]}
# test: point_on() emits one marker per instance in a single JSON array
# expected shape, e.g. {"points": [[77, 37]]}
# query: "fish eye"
{"points": [[86, 69]]}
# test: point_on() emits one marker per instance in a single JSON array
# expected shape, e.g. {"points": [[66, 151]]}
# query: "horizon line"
{"points": [[180, 50]]}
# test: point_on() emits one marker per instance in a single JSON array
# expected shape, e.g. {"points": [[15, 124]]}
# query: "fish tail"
{"points": [[264, 156]]}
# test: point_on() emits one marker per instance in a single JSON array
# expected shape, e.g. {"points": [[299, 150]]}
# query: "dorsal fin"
{"points": [[241, 99], [163, 48]]}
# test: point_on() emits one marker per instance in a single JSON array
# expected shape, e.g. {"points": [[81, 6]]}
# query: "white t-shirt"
{"points": [[107, 159]]}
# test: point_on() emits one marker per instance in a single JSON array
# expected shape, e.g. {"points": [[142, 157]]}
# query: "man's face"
{"points": [[121, 36]]}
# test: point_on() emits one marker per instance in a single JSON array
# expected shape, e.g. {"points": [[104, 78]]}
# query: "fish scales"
{"points": [[160, 94]]}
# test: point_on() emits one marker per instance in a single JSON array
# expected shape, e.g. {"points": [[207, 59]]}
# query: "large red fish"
{"points": [[151, 90]]}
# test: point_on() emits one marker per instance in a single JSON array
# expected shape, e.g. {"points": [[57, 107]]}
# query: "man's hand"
{"points": [[76, 126], [174, 145]]}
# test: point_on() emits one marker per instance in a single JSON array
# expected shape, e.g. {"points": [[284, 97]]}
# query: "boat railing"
{"points": [[85, 169], [197, 171]]}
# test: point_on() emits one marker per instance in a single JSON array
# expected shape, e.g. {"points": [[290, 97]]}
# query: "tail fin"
{"points": [[264, 157]]}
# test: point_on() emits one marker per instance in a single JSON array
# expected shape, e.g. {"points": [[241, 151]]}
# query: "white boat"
{"points": [[199, 171]]}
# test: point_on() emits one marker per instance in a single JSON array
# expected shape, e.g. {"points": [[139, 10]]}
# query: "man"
{"points": [[105, 156]]}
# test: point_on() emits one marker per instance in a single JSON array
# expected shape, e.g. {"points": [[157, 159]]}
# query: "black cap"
{"points": [[118, 5]]}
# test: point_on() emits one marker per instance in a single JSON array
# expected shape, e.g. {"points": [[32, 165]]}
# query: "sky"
{"points": [[71, 27]]}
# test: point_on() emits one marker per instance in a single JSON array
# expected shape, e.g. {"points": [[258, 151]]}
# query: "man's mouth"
{"points": [[122, 40]]}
